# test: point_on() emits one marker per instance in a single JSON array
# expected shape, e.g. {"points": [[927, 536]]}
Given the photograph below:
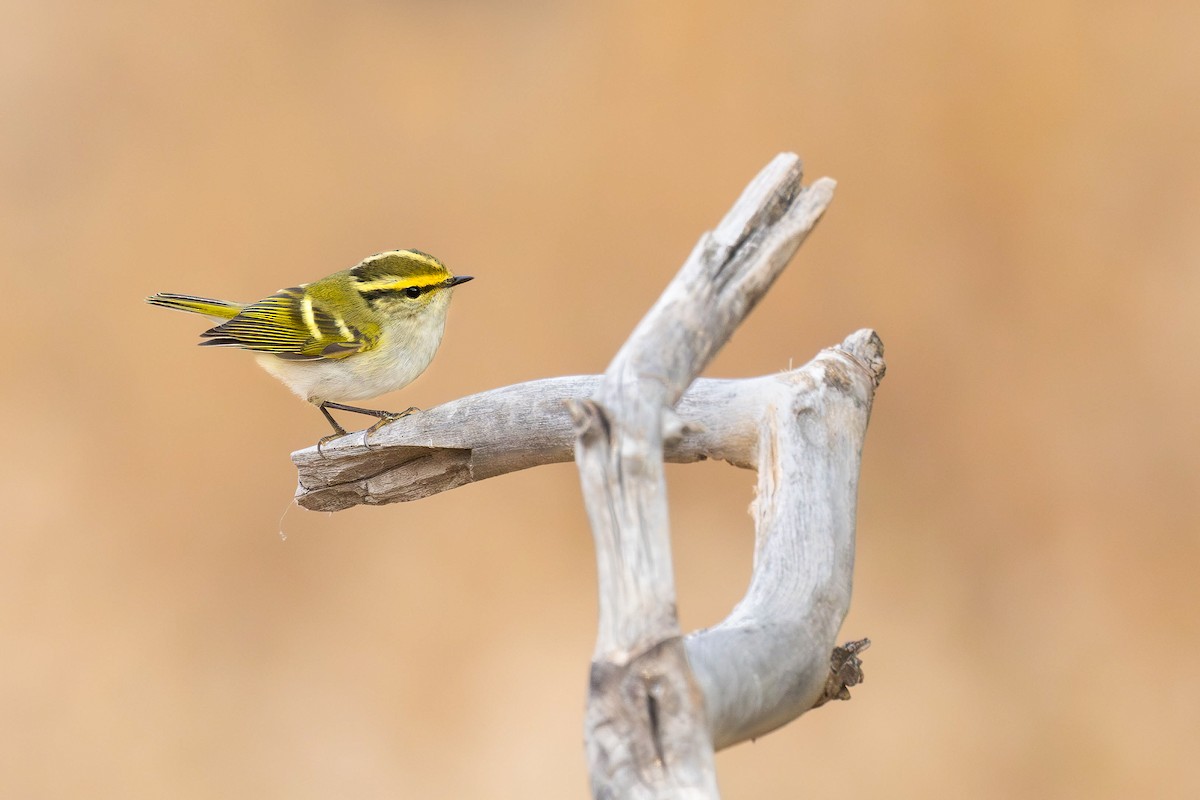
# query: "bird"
{"points": [[356, 334]]}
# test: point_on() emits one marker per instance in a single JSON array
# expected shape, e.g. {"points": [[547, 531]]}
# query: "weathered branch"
{"points": [[506, 430], [768, 661], [652, 723], [647, 731]]}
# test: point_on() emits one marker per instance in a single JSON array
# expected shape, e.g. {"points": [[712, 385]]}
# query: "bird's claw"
{"points": [[384, 420], [326, 440]]}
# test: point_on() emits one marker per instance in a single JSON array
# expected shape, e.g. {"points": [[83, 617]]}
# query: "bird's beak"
{"points": [[457, 279]]}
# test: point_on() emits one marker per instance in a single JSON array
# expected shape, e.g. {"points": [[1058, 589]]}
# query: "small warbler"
{"points": [[356, 334]]}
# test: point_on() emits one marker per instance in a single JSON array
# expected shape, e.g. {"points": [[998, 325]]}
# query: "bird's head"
{"points": [[405, 282]]}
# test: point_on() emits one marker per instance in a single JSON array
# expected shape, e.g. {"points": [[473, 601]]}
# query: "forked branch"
{"points": [[659, 702]]}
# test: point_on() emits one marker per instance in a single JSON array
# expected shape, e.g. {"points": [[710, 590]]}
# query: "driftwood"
{"points": [[659, 702]]}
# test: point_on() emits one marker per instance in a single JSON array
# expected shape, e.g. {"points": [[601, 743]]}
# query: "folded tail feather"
{"points": [[217, 309]]}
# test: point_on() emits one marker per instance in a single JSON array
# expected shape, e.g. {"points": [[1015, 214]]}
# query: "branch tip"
{"points": [[865, 348]]}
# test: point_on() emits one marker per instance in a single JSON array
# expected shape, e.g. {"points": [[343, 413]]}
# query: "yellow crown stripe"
{"points": [[399, 265], [408, 255]]}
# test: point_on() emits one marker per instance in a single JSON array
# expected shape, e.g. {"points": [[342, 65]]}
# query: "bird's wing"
{"points": [[292, 325]]}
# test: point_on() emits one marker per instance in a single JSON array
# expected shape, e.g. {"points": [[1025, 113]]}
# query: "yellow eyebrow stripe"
{"points": [[399, 286]]}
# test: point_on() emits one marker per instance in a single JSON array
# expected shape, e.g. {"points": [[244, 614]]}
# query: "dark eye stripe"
{"points": [[408, 291]]}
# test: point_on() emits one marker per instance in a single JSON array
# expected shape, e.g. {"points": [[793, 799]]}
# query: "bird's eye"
{"points": [[413, 291]]}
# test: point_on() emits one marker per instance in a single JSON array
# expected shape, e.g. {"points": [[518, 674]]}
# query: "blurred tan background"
{"points": [[1019, 185]]}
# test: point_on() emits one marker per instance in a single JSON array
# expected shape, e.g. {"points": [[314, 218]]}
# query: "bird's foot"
{"points": [[326, 440], [384, 418]]}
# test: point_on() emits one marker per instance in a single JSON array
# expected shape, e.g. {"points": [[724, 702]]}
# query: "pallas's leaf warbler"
{"points": [[358, 333]]}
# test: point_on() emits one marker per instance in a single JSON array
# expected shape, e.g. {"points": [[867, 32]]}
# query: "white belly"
{"points": [[403, 353]]}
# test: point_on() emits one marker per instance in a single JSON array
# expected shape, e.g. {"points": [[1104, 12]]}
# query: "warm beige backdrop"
{"points": [[1017, 216]]}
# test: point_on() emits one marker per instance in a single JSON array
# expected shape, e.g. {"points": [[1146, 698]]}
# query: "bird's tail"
{"points": [[217, 309]]}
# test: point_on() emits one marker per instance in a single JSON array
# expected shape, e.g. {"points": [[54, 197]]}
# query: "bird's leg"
{"points": [[370, 412], [338, 429]]}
